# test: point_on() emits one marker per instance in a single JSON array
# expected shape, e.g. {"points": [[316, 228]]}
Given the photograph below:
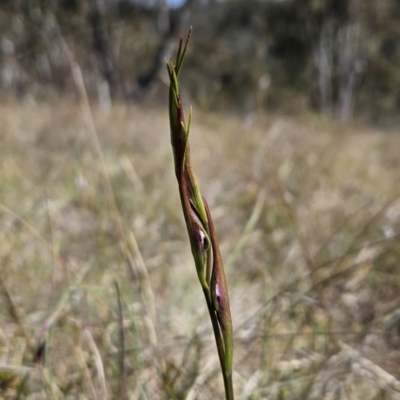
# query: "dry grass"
{"points": [[314, 279]]}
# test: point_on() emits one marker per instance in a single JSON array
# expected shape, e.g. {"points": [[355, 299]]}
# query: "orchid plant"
{"points": [[200, 227]]}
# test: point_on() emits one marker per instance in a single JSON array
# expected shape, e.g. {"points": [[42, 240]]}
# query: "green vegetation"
{"points": [[201, 231], [340, 58]]}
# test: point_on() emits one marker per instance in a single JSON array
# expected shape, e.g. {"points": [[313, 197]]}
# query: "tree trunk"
{"points": [[103, 48]]}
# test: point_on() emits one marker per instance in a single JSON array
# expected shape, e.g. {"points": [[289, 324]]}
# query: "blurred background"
{"points": [[295, 145], [336, 57]]}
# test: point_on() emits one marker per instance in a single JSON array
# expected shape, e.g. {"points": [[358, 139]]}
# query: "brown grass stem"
{"points": [[127, 240], [122, 377], [251, 223]]}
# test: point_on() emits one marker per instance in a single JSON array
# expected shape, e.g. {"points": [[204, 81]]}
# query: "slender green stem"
{"points": [[228, 387], [229, 395]]}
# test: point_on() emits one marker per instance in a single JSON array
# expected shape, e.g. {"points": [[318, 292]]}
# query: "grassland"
{"points": [[99, 297]]}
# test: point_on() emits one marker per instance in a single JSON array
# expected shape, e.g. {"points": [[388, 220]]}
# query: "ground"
{"points": [[99, 294]]}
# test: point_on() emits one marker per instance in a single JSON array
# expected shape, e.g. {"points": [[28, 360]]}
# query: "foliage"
{"points": [[337, 57]]}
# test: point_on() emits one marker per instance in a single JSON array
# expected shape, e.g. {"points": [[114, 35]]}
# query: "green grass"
{"points": [[329, 197]]}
